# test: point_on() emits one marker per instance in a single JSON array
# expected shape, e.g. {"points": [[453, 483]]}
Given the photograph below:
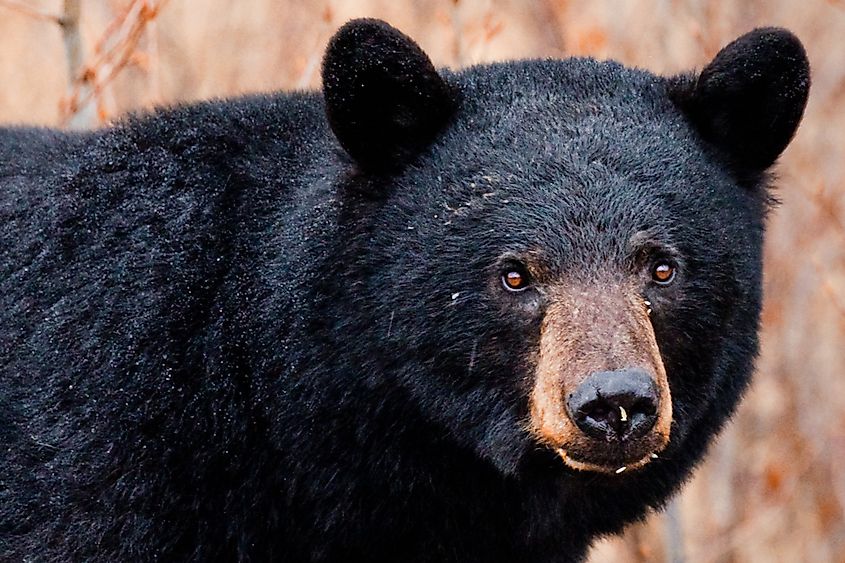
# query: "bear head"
{"points": [[562, 259]]}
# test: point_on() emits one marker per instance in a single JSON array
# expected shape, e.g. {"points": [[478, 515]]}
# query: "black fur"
{"points": [[214, 346]]}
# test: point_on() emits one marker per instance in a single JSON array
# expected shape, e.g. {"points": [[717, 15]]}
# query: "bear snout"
{"points": [[601, 396]]}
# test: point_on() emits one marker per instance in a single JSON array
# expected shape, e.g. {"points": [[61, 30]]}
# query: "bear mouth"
{"points": [[604, 466]]}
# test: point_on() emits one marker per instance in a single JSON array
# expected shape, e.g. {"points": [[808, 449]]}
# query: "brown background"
{"points": [[773, 487]]}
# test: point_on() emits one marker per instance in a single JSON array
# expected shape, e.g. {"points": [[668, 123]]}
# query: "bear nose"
{"points": [[615, 405]]}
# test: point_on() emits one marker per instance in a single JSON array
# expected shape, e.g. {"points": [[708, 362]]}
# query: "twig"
{"points": [[27, 10], [313, 62], [827, 205], [673, 530], [112, 27], [830, 290], [113, 52], [81, 116], [153, 61], [457, 31]]}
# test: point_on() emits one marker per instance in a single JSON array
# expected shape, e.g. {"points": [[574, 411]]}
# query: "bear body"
{"points": [[339, 326]]}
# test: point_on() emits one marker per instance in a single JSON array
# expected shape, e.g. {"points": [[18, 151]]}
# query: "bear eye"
{"points": [[515, 279], [663, 273]]}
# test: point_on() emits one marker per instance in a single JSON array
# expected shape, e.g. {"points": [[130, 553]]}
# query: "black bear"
{"points": [[469, 316]]}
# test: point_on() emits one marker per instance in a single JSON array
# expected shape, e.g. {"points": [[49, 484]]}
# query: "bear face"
{"points": [[583, 240]]}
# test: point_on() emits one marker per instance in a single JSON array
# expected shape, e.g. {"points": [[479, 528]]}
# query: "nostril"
{"points": [[619, 405], [646, 406], [643, 418], [598, 419], [598, 410]]}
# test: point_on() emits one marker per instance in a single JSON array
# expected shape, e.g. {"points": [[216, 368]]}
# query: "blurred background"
{"points": [[771, 488]]}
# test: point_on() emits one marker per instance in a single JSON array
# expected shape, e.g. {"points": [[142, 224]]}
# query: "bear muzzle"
{"points": [[601, 396]]}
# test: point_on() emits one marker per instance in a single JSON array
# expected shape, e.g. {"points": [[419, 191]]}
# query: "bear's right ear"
{"points": [[385, 101], [749, 100]]}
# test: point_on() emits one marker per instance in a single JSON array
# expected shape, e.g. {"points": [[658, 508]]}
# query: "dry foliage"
{"points": [[772, 488]]}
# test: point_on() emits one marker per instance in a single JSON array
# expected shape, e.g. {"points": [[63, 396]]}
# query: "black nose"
{"points": [[615, 405]]}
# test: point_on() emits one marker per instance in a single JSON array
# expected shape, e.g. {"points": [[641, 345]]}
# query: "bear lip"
{"points": [[615, 469]]}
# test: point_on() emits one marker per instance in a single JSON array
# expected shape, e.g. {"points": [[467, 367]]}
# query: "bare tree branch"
{"points": [[28, 10], [674, 533], [113, 52], [81, 115]]}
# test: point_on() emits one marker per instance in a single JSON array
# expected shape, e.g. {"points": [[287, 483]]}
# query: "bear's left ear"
{"points": [[385, 101], [749, 100]]}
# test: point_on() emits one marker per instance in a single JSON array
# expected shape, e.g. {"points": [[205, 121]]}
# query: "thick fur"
{"points": [[222, 338]]}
